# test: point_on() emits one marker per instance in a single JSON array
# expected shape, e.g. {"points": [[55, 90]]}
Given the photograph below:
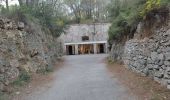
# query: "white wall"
{"points": [[76, 31]]}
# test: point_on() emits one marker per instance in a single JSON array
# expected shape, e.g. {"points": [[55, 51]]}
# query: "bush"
{"points": [[52, 20], [150, 5], [3, 96], [125, 17], [46, 70], [23, 78]]}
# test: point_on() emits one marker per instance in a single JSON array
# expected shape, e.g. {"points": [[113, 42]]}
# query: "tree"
{"points": [[125, 17], [6, 4], [50, 14], [87, 9], [28, 2], [21, 2], [74, 6]]}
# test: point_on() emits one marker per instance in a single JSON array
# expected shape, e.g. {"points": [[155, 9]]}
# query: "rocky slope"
{"points": [[32, 51]]}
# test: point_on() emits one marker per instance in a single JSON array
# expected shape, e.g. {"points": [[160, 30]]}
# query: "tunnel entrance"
{"points": [[86, 48], [70, 50], [101, 48]]}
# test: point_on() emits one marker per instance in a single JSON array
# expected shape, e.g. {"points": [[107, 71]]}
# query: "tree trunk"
{"points": [[7, 5], [27, 2], [21, 2], [36, 2]]}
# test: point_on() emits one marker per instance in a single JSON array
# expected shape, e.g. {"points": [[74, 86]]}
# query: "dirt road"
{"points": [[84, 77]]}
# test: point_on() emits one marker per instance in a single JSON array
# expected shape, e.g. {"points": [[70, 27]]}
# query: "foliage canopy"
{"points": [[126, 14], [48, 14]]}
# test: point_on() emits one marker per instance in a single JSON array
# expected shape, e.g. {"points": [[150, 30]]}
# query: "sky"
{"points": [[11, 2]]}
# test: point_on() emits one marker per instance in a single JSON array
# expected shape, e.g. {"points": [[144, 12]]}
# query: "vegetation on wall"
{"points": [[126, 14], [53, 15], [46, 13], [150, 5], [23, 78]]}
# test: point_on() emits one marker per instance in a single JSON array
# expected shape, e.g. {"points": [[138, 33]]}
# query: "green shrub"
{"points": [[124, 19], [126, 16], [52, 20], [3, 96], [23, 78], [45, 70], [150, 5]]}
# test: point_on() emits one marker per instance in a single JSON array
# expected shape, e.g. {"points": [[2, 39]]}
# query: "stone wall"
{"points": [[150, 56], [20, 50]]}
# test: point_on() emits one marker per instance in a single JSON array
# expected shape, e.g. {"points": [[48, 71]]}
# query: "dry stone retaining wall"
{"points": [[31, 51], [150, 56]]}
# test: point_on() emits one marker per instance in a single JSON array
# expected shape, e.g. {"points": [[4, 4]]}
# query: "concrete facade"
{"points": [[86, 38]]}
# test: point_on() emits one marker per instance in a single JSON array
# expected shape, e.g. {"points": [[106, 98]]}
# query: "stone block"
{"points": [[168, 73], [163, 67], [168, 81], [167, 56], [154, 56], [149, 61], [2, 77], [2, 69], [150, 66], [166, 76], [135, 58], [161, 57], [168, 69], [142, 61], [14, 63], [167, 33], [167, 63], [140, 57], [21, 25], [146, 71], [160, 63], [167, 43], [168, 86], [156, 67], [167, 49], [157, 79], [159, 74], [1, 86]]}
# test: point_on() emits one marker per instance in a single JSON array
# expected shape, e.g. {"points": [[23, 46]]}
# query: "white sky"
{"points": [[11, 2]]}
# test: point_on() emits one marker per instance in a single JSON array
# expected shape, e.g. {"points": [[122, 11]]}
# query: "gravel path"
{"points": [[84, 77]]}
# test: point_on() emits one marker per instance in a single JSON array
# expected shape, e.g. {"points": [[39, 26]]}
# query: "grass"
{"points": [[45, 71], [111, 61], [3, 96], [23, 78]]}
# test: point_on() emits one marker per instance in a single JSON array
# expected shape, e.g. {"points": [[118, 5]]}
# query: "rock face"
{"points": [[19, 49], [149, 56], [117, 51]]}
